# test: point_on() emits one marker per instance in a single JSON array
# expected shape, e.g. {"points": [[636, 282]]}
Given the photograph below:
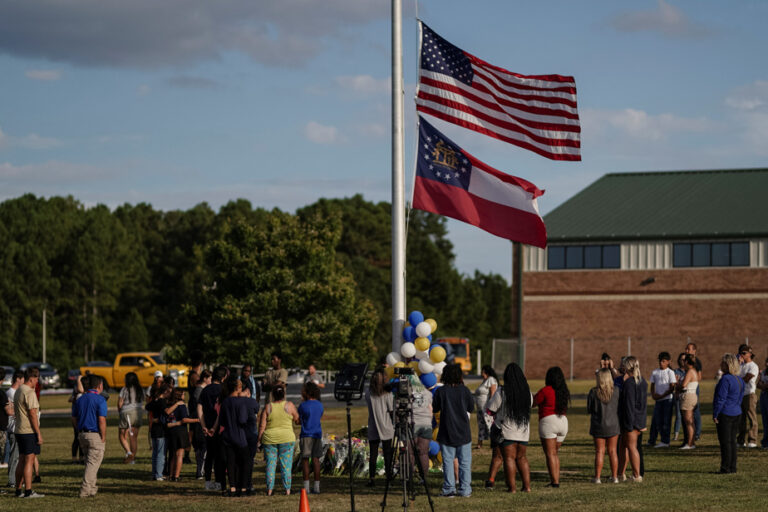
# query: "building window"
{"points": [[583, 256], [718, 254]]}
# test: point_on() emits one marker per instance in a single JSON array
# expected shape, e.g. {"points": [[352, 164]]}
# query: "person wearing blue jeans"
{"points": [[454, 402], [156, 408]]}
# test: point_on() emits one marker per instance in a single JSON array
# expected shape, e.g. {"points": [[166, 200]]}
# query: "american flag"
{"points": [[535, 112]]}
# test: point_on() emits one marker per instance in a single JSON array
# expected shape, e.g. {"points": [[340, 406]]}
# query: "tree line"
{"points": [[236, 284]]}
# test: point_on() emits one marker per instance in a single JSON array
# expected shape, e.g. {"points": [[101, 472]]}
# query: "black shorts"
{"points": [[177, 439], [27, 444]]}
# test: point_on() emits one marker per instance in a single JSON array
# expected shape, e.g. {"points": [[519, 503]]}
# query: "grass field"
{"points": [[675, 479]]}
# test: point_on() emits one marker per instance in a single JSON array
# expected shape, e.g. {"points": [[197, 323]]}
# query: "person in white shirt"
{"points": [[749, 371], [663, 380]]}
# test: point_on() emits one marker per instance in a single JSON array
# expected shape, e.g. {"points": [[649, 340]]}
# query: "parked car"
{"points": [[8, 380], [49, 377], [143, 364]]}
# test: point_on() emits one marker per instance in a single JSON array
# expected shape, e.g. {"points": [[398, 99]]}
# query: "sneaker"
{"points": [[160, 479], [33, 494], [636, 479], [752, 445], [448, 495], [3, 465], [662, 445], [688, 447], [596, 481], [489, 484], [615, 480]]}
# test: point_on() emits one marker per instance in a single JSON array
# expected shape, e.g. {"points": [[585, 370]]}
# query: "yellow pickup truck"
{"points": [[143, 364]]}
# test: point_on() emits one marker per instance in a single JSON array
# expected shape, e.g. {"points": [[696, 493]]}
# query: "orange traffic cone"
{"points": [[304, 501]]}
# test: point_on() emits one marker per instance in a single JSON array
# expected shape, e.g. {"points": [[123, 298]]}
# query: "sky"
{"points": [[282, 102]]}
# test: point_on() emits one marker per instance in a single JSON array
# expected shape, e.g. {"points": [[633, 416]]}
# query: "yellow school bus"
{"points": [[457, 351]]}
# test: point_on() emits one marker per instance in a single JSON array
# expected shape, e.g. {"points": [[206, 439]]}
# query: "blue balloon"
{"points": [[415, 318], [428, 379], [409, 333], [434, 448], [429, 337]]}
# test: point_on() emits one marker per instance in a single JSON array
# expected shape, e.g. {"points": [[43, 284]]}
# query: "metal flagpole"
{"points": [[398, 179]]}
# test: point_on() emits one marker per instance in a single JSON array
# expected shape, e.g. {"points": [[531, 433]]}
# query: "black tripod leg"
{"points": [[387, 472]]}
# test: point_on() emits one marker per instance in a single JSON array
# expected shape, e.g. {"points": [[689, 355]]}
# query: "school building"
{"points": [[642, 263]]}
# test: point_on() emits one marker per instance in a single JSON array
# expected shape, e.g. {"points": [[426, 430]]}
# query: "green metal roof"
{"points": [[665, 205]]}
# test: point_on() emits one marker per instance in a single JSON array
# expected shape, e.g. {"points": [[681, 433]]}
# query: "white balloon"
{"points": [[393, 357], [408, 349], [439, 368], [425, 366], [423, 329], [422, 354]]}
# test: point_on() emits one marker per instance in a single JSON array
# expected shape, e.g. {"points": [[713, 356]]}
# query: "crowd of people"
{"points": [[220, 417]]}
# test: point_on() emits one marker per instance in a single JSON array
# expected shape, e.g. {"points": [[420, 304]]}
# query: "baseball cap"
{"points": [[158, 373]]}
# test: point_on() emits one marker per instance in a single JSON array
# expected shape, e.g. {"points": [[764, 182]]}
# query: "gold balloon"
{"points": [[432, 323], [400, 364], [422, 344], [437, 354]]}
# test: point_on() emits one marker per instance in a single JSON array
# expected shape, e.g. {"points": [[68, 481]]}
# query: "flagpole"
{"points": [[398, 179]]}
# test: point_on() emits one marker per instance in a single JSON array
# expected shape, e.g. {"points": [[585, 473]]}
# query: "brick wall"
{"points": [[716, 308]]}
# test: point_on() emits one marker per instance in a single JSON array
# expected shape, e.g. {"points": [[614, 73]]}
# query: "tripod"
{"points": [[407, 454]]}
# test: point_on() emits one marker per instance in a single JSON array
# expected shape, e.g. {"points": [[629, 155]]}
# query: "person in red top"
{"points": [[552, 401]]}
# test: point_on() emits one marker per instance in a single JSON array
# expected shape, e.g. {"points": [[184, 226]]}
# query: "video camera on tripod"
{"points": [[404, 391]]}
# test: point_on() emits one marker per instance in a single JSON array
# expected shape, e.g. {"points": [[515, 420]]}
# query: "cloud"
{"points": [[749, 113], [31, 141], [322, 134], [667, 20], [151, 34], [638, 124], [44, 75], [53, 172], [364, 84], [192, 82]]}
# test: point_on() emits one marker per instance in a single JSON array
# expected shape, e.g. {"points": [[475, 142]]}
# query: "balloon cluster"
{"points": [[418, 351]]}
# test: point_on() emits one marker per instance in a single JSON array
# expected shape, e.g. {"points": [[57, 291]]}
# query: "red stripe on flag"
{"points": [[490, 133], [500, 220]]}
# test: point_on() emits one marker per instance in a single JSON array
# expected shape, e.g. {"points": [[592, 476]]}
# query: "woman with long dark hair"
{"points": [[482, 394], [454, 402], [511, 405], [233, 416], [130, 406], [277, 437], [380, 426], [633, 407], [552, 401]]}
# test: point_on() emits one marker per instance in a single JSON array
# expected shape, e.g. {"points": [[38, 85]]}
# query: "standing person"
{"points": [[13, 446], [177, 418], [233, 418], [762, 384], [246, 375], [251, 435], [27, 431], [422, 420], [156, 408], [679, 376], [552, 401], [726, 411], [749, 372], [688, 402], [208, 413], [380, 426], [277, 437], [311, 435], [5, 407], [691, 349], [663, 382], [156, 383], [90, 412], [511, 405], [483, 392], [632, 417], [130, 403], [603, 407], [276, 375], [196, 431], [313, 376], [77, 391], [455, 402]]}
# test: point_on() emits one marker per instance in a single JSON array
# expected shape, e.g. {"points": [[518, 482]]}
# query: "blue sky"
{"points": [[282, 102]]}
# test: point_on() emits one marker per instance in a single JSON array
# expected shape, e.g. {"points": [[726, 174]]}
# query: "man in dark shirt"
{"points": [[206, 412], [454, 402], [90, 413]]}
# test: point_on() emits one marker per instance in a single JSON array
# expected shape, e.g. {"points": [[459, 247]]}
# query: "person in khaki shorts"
{"points": [[749, 371], [90, 411]]}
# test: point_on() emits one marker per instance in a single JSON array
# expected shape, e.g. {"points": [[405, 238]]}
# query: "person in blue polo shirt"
{"points": [[90, 412]]}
